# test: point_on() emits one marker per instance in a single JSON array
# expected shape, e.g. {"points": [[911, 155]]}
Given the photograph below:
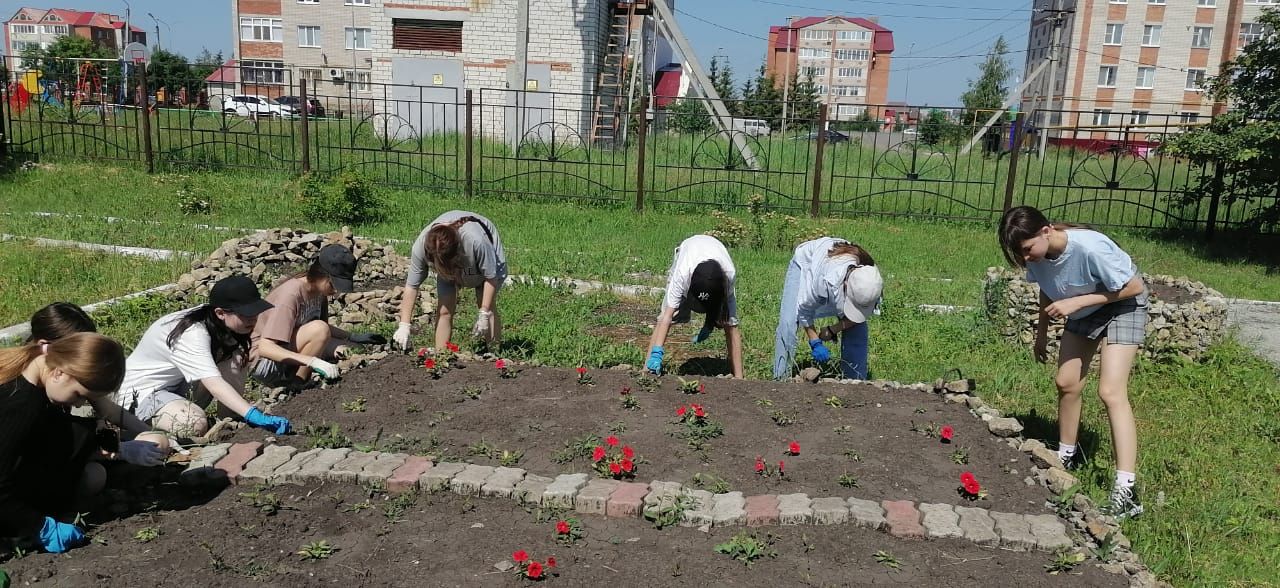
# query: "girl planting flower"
{"points": [[701, 280]]}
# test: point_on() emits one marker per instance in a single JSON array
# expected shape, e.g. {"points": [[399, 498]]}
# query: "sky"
{"points": [[927, 33]]}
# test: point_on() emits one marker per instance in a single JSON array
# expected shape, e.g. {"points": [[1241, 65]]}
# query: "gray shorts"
{"points": [[446, 287], [1123, 322], [145, 406], [278, 373]]}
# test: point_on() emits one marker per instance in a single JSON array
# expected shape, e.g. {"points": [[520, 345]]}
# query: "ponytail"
{"points": [[95, 361]]}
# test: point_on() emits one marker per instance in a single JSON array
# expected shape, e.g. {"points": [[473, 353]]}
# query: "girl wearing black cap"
{"points": [[294, 337], [192, 356], [701, 280]]}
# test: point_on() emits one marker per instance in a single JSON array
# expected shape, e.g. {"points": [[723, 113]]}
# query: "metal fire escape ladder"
{"points": [[609, 102]]}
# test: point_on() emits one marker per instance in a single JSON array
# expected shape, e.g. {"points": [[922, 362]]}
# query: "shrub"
{"points": [[346, 199]]}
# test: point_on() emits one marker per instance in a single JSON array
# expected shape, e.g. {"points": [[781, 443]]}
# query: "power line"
{"points": [[975, 30], [950, 6], [915, 16]]}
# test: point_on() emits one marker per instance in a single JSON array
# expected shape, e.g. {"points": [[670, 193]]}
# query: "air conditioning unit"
{"points": [[336, 73]]}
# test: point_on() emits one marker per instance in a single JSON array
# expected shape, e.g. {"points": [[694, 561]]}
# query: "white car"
{"points": [[255, 106], [909, 131]]}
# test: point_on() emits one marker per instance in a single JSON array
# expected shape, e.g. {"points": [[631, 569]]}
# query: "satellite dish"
{"points": [[137, 53]]}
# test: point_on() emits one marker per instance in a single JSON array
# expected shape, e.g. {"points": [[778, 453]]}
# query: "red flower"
{"points": [[680, 410], [551, 562], [534, 571], [582, 371], [972, 487], [759, 464], [967, 477], [702, 388], [597, 454], [793, 448], [625, 390], [781, 465], [429, 364], [698, 412], [422, 352], [627, 466], [946, 432], [520, 556], [628, 452], [611, 441], [451, 347], [562, 528], [615, 468], [500, 364]]}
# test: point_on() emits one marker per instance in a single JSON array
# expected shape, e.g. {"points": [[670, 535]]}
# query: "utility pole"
{"points": [[786, 86], [906, 91], [1059, 15], [522, 44]]}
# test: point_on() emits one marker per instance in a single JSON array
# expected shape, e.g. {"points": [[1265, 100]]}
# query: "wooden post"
{"points": [[306, 134], [4, 122], [144, 119], [817, 163], [1215, 197], [642, 132], [1011, 181], [469, 188]]}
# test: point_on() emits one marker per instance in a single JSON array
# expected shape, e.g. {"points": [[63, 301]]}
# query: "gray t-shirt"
{"points": [[482, 255], [1091, 262]]}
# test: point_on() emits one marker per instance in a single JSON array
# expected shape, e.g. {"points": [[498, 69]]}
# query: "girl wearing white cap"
{"points": [[828, 277]]}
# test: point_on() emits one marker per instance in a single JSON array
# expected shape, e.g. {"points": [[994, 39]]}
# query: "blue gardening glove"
{"points": [[655, 359], [269, 422], [60, 537], [820, 353], [703, 334], [367, 339], [142, 453]]}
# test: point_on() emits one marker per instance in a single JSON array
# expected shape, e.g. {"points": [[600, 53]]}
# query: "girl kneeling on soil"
{"points": [[190, 357], [34, 379], [1087, 279], [701, 280], [464, 249], [294, 337], [828, 277]]}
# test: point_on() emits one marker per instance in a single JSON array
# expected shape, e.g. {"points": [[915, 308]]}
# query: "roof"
{"points": [[77, 18], [227, 73], [881, 40]]}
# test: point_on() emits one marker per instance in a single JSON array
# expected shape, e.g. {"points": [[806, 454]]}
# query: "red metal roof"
{"points": [[666, 86], [79, 18], [881, 40], [227, 73]]}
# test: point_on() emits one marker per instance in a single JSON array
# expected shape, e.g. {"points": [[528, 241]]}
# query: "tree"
{"points": [[1246, 139], [765, 101], [722, 80], [988, 92], [802, 104], [55, 62], [689, 116]]}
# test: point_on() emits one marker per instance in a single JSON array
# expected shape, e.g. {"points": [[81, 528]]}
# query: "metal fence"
{"points": [[894, 160]]}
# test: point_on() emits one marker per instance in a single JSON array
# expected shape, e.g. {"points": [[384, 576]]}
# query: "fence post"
{"points": [[817, 163], [470, 138], [144, 118], [1011, 181], [4, 120], [642, 131], [1215, 197], [306, 133]]}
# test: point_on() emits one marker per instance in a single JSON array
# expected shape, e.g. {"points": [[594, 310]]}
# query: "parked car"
{"points": [[751, 126], [255, 105], [314, 108], [832, 136], [909, 131]]}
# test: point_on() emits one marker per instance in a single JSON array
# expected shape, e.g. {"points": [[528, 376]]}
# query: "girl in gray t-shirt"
{"points": [[463, 249], [1085, 278]]}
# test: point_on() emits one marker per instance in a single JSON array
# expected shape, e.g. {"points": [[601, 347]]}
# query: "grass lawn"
{"points": [[1209, 439]]}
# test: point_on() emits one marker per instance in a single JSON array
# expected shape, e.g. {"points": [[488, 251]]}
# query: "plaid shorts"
{"points": [[1123, 322]]}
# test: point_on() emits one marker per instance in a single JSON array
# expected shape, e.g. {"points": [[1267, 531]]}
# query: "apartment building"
{"points": [[326, 42], [1138, 62], [41, 27], [847, 58]]}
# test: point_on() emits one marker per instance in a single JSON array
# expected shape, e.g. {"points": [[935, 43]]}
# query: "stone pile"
{"points": [[1184, 329]]}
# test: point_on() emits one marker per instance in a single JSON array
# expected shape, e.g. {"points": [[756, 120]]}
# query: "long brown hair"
{"points": [[97, 362], [58, 320], [313, 274], [853, 249], [443, 248], [1021, 223]]}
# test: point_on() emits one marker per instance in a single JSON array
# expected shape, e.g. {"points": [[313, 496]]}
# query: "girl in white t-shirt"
{"points": [[701, 280], [190, 357]]}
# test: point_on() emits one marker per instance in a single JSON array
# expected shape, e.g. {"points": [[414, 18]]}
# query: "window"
{"points": [[311, 75], [308, 1], [851, 72], [359, 79], [1146, 78], [1155, 1], [1114, 34], [262, 72], [261, 29], [1188, 117], [1250, 32], [53, 29], [356, 3], [1138, 117], [1207, 3], [820, 89], [1200, 37], [854, 36], [1107, 76], [1195, 79], [308, 36], [1151, 35], [814, 53], [23, 29], [853, 54], [850, 110], [848, 90], [1119, 1], [359, 38], [426, 35], [814, 72], [812, 35], [1101, 116], [20, 46]]}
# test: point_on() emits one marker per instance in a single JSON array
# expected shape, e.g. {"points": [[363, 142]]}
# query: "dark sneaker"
{"points": [[1124, 503], [1075, 462]]}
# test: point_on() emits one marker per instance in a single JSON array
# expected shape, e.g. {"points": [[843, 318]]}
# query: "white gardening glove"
{"points": [[326, 370], [142, 453], [401, 338], [484, 324]]}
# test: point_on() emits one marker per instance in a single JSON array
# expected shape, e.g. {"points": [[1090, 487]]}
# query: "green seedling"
{"points": [[317, 550]]}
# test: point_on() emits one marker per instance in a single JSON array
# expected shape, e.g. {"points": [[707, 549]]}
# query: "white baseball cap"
{"points": [[862, 288]]}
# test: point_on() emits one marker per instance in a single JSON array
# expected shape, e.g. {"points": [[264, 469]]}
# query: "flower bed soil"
{"points": [[1172, 294], [448, 540], [542, 409]]}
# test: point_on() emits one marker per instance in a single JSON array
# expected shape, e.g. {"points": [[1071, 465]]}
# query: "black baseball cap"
{"points": [[705, 294], [337, 261], [239, 295]]}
